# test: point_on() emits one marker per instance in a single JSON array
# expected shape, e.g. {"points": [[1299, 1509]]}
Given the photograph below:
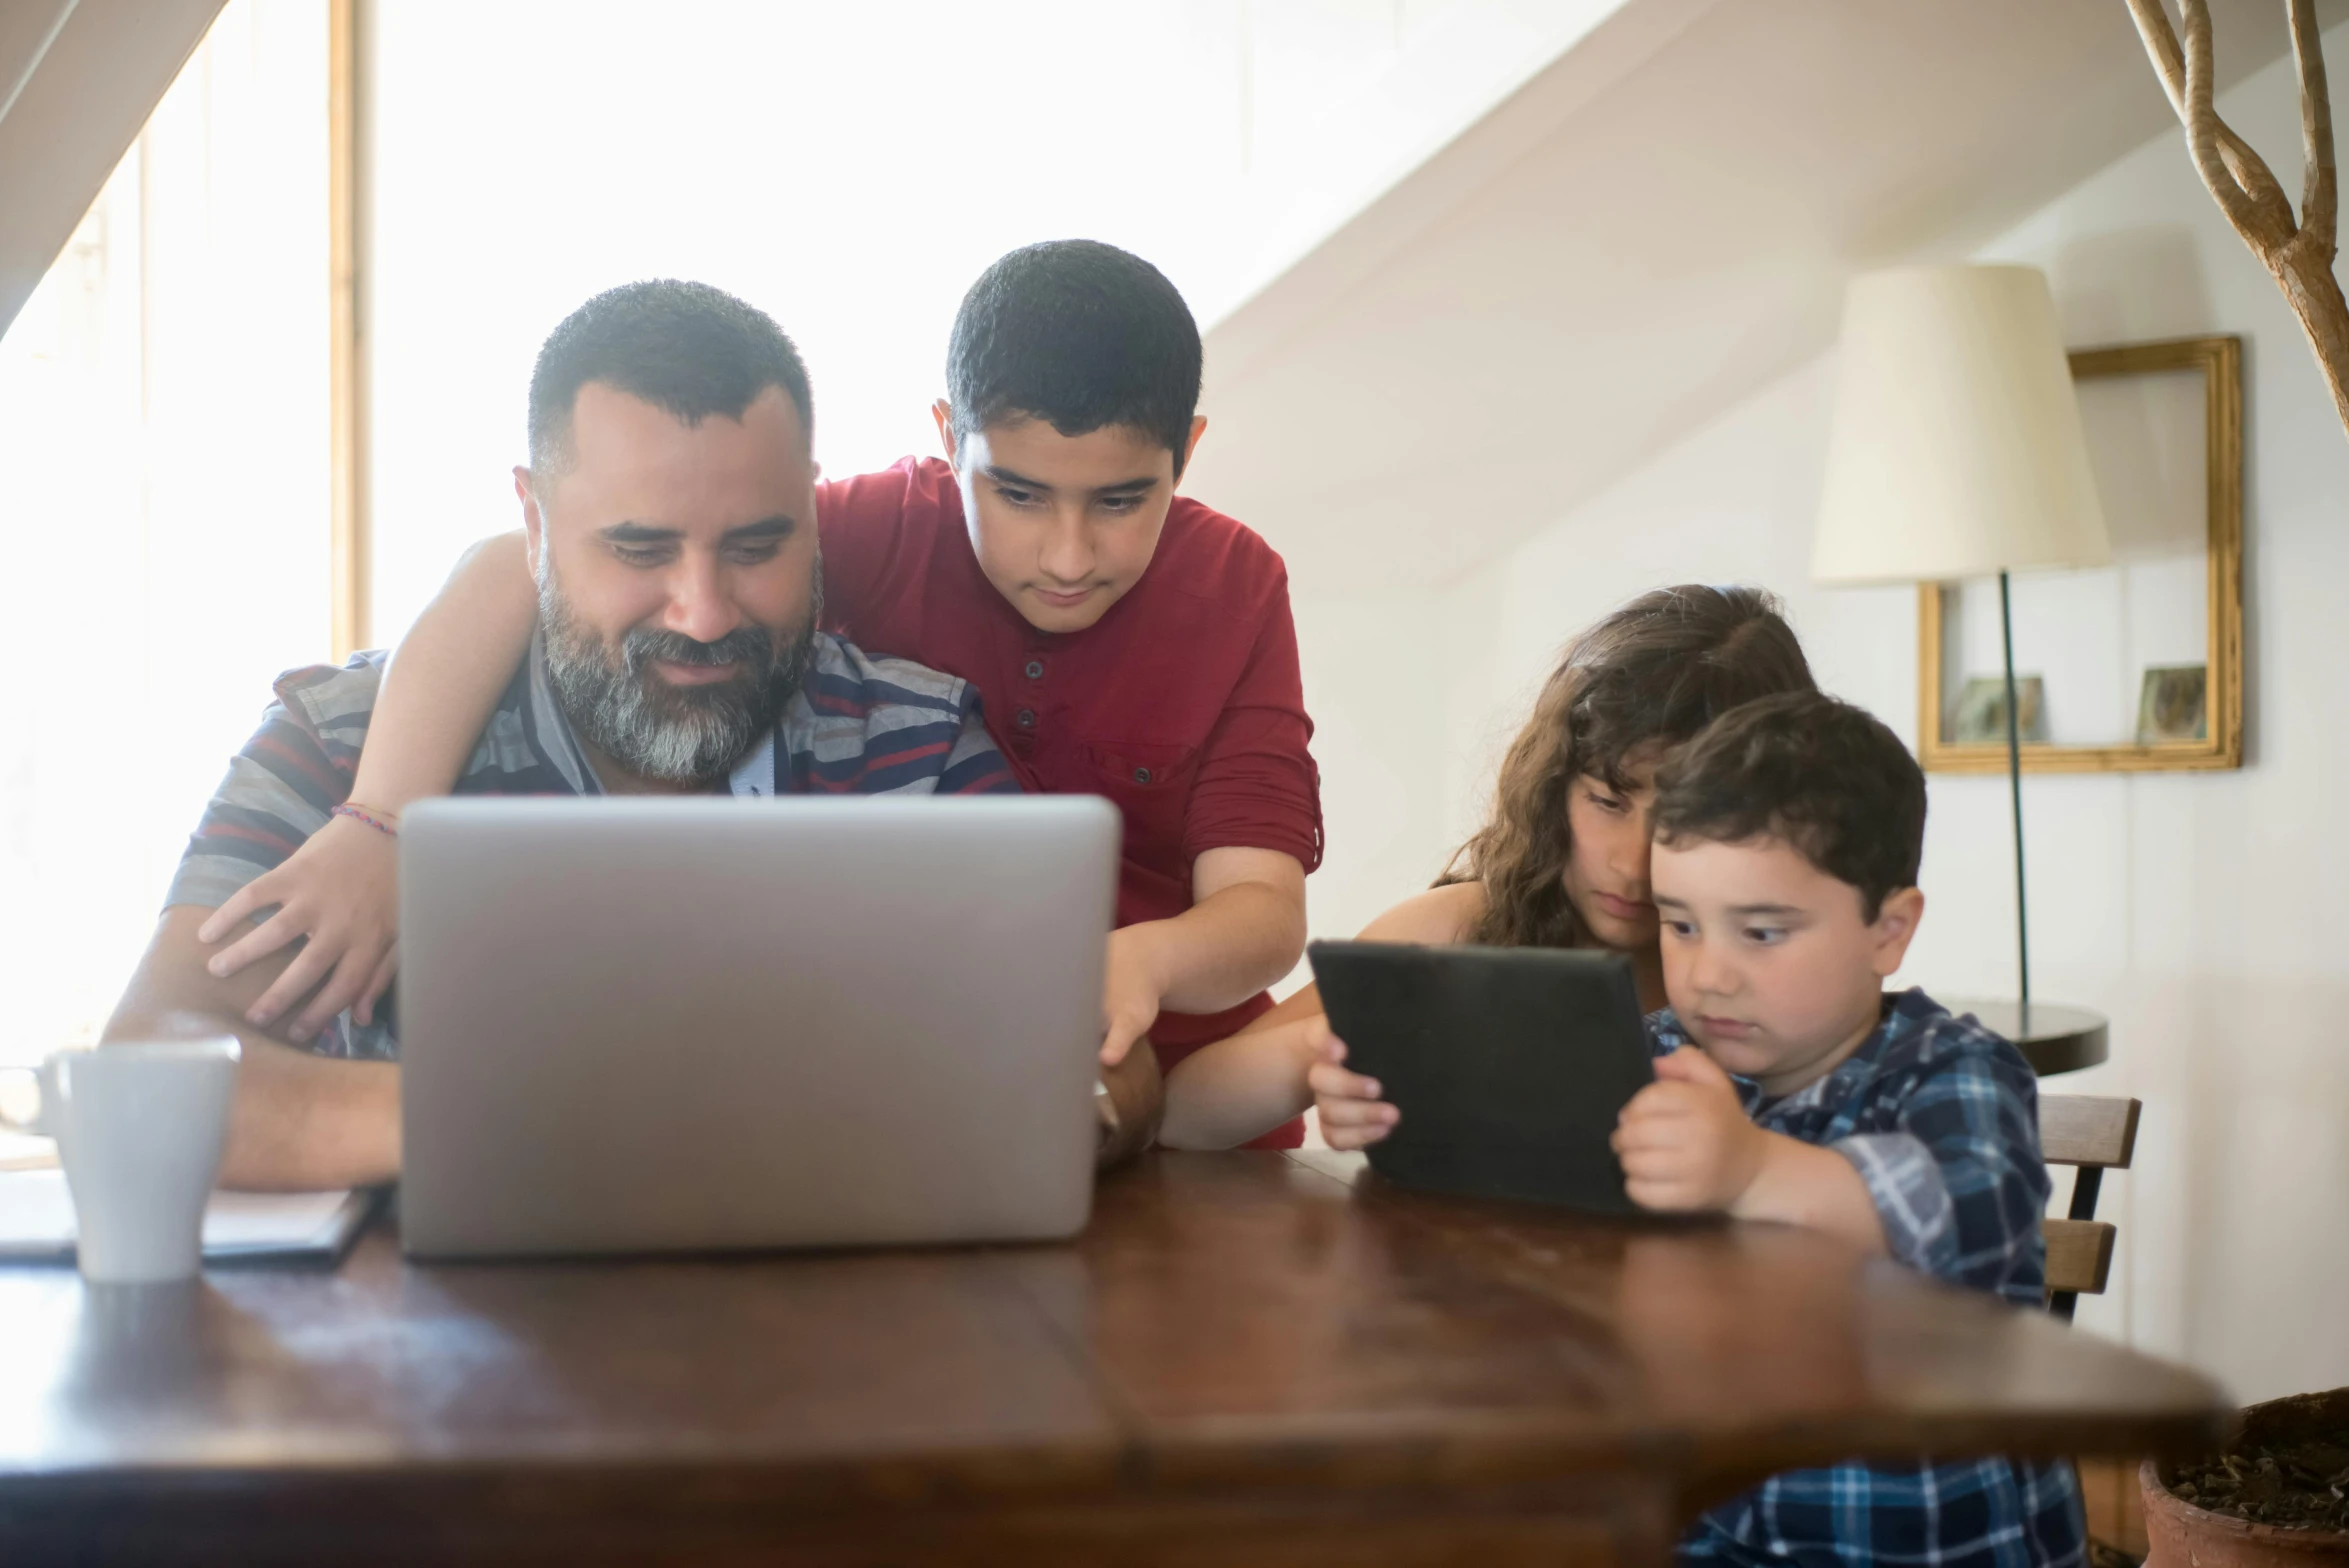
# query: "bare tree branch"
{"points": [[2319, 183], [2161, 43], [2244, 166], [2298, 253], [2245, 189]]}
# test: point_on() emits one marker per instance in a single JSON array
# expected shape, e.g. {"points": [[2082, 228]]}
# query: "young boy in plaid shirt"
{"points": [[1791, 1087]]}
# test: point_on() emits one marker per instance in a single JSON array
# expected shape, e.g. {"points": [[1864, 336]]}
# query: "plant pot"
{"points": [[2180, 1535]]}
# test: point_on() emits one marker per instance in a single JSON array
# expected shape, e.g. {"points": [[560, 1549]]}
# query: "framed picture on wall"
{"points": [[2132, 666]]}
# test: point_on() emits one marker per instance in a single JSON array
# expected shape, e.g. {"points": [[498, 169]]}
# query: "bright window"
{"points": [[164, 395], [849, 166]]}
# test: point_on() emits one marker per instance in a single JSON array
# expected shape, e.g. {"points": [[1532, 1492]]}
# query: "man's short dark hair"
{"points": [[1826, 777], [686, 348], [1081, 335]]}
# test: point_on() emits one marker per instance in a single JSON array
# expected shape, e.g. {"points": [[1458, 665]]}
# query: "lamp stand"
{"points": [[2014, 778]]}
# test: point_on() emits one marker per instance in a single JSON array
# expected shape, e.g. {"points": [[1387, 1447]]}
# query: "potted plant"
{"points": [[2275, 1497]]}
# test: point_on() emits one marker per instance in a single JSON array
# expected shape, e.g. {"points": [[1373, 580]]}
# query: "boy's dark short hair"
{"points": [[1080, 334], [686, 348], [1826, 777]]}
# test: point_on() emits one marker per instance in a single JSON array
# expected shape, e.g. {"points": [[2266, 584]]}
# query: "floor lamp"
{"points": [[1956, 452]]}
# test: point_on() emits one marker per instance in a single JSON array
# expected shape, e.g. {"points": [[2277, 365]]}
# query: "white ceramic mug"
{"points": [[139, 1129]]}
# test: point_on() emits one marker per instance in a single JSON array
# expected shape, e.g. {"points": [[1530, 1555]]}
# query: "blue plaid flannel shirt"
{"points": [[1940, 1117]]}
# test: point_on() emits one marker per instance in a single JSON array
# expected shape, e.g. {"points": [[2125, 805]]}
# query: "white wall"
{"points": [[2201, 911], [2197, 910], [1371, 689]]}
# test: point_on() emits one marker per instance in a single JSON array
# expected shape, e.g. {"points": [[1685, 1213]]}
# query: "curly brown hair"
{"points": [[1646, 678]]}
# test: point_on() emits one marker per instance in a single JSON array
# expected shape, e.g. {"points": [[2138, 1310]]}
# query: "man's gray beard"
{"points": [[681, 735]]}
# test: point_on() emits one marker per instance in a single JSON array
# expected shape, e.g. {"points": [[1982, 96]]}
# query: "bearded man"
{"points": [[670, 508]]}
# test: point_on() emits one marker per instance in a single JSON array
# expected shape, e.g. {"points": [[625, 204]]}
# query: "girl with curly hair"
{"points": [[1561, 860]]}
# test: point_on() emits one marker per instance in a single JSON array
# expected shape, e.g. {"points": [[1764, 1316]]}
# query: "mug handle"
{"points": [[44, 1088]]}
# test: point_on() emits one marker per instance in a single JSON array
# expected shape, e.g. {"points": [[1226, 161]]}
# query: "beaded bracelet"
{"points": [[361, 814]]}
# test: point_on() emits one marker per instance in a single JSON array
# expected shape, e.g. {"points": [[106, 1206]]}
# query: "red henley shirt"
{"points": [[1182, 704]]}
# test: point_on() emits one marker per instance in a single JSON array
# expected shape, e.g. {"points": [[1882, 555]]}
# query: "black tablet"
{"points": [[1508, 1064]]}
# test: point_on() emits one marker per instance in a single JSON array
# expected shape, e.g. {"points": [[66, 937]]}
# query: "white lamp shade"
{"points": [[1956, 449]]}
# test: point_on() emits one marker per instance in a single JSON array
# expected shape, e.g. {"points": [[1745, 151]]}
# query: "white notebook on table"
{"points": [[36, 1222]]}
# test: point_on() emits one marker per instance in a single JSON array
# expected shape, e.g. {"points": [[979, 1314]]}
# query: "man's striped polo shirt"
{"points": [[859, 726]]}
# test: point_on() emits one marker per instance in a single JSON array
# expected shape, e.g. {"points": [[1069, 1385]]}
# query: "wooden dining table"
{"points": [[1246, 1358]]}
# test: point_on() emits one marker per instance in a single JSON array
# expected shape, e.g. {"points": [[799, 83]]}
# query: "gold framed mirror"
{"points": [[2136, 666]]}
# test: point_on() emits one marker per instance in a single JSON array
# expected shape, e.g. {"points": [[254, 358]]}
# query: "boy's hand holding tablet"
{"points": [[1685, 1141]]}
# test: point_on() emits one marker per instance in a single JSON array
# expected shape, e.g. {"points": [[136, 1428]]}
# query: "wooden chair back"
{"points": [[2094, 1135]]}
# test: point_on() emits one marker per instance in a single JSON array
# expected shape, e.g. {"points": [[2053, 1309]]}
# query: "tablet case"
{"points": [[1509, 1065]]}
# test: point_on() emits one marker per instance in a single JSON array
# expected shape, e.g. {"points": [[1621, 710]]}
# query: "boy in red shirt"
{"points": [[1125, 641]]}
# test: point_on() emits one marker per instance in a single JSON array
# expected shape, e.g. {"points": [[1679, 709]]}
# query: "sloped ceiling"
{"points": [[77, 81], [1648, 232]]}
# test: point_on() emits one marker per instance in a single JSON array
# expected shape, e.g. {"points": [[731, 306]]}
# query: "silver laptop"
{"points": [[632, 1025]]}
